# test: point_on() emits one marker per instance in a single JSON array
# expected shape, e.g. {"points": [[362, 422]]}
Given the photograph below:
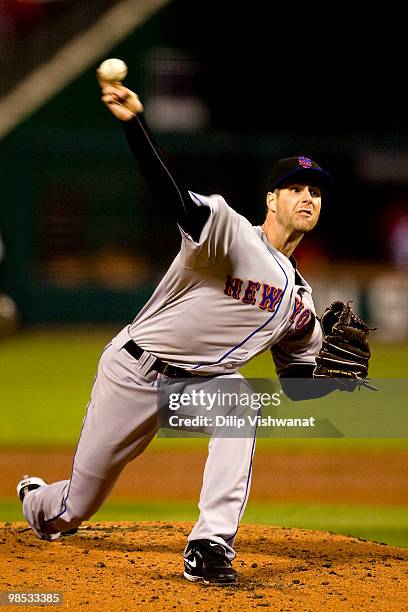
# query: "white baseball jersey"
{"points": [[224, 299], [227, 298]]}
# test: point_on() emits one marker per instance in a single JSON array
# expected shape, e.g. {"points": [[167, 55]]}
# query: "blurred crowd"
{"points": [[22, 24], [32, 30], [18, 15]]}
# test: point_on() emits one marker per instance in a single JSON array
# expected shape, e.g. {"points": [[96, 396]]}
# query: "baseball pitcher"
{"points": [[232, 292]]}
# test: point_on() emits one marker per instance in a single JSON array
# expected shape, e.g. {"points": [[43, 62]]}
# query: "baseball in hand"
{"points": [[112, 70]]}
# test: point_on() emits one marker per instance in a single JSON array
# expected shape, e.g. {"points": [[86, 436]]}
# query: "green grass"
{"points": [[45, 381], [46, 378], [380, 524]]}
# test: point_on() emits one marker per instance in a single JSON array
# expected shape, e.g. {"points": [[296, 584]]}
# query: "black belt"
{"points": [[160, 366]]}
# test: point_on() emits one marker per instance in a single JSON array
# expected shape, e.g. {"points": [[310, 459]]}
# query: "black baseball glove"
{"points": [[345, 352]]}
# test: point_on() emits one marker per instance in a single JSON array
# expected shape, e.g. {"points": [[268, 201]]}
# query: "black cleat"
{"points": [[206, 560], [71, 532], [29, 483]]}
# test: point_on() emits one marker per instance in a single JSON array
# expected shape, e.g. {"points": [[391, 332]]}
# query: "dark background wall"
{"points": [[84, 237]]}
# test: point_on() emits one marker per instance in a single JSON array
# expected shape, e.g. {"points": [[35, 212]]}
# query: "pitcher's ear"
{"points": [[271, 201]]}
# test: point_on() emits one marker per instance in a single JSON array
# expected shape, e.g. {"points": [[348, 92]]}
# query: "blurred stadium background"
{"points": [[226, 91]]}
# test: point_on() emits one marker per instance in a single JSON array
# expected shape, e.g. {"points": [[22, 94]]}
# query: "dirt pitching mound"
{"points": [[127, 566]]}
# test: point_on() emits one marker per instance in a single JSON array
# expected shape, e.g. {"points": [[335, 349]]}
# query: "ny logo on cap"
{"points": [[305, 162]]}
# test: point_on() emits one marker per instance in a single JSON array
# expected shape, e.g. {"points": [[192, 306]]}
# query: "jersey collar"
{"points": [[299, 280]]}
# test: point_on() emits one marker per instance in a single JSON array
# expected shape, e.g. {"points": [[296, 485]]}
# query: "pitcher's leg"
{"points": [[120, 422], [69, 502], [225, 490]]}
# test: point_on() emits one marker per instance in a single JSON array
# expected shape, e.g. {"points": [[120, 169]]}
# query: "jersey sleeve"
{"points": [[297, 349], [216, 236], [162, 178]]}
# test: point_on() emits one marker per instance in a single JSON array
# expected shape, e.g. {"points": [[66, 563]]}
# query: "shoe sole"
{"points": [[69, 534], [192, 578]]}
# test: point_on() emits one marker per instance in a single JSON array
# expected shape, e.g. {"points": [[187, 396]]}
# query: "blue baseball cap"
{"points": [[298, 168]]}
